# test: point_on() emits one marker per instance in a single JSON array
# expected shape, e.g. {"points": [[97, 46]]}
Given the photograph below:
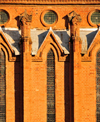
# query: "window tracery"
{"points": [[50, 87], [2, 88], [98, 86]]}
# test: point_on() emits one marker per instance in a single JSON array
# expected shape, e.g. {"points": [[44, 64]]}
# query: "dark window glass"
{"points": [[50, 87], [3, 17], [95, 17], [2, 88], [50, 17], [98, 86]]}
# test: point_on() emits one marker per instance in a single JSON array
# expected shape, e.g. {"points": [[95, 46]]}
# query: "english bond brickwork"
{"points": [[26, 74]]}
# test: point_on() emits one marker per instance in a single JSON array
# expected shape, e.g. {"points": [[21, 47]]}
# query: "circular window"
{"points": [[49, 18], [95, 17], [3, 17]]}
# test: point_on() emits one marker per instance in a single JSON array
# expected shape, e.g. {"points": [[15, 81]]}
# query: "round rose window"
{"points": [[95, 17], [50, 17], [3, 17]]}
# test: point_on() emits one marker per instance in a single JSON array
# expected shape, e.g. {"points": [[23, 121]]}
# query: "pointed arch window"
{"points": [[50, 86], [98, 86], [2, 88]]}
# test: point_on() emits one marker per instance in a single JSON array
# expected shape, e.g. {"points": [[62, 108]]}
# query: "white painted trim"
{"points": [[89, 29]]}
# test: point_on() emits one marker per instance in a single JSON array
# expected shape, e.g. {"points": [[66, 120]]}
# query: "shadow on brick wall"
{"points": [[67, 102], [18, 91], [69, 88], [66, 22]]}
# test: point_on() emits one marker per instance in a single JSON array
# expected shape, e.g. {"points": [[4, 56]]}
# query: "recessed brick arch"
{"points": [[50, 86], [2, 87], [4, 44]]}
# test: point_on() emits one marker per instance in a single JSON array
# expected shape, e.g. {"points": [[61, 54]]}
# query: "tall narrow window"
{"points": [[2, 88], [98, 86], [50, 87]]}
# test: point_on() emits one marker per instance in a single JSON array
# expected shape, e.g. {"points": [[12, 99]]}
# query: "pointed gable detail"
{"points": [[4, 44], [50, 39], [95, 42], [46, 40]]}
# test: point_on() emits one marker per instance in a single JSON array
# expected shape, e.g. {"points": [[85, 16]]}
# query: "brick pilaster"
{"points": [[75, 66], [25, 21]]}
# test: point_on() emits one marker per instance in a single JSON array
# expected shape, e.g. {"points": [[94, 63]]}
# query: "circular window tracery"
{"points": [[49, 18], [94, 18], [4, 17]]}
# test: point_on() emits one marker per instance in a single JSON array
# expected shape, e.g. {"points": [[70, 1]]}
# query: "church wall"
{"points": [[67, 91], [86, 98], [18, 90], [10, 92], [39, 91], [15, 10], [13, 88]]}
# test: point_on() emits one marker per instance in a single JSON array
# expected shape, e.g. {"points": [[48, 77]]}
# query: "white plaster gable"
{"points": [[94, 36], [13, 36], [62, 36], [87, 35], [63, 39], [38, 37]]}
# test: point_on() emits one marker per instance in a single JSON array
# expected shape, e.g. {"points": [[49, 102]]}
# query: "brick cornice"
{"points": [[50, 2]]}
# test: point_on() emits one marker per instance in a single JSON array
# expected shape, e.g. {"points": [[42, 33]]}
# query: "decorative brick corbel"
{"points": [[74, 20], [86, 58], [74, 59], [25, 25]]}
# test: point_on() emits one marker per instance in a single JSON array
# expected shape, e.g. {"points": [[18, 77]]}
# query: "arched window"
{"points": [[50, 87], [98, 86], [2, 88]]}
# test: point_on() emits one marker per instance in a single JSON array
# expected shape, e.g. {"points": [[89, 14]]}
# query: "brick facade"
{"points": [[26, 42]]}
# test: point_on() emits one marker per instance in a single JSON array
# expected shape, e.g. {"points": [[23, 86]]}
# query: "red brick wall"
{"points": [[61, 10], [39, 89], [35, 77]]}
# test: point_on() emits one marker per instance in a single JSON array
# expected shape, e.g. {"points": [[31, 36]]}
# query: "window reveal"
{"points": [[3, 17], [98, 86], [95, 17], [50, 17], [50, 87]]}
